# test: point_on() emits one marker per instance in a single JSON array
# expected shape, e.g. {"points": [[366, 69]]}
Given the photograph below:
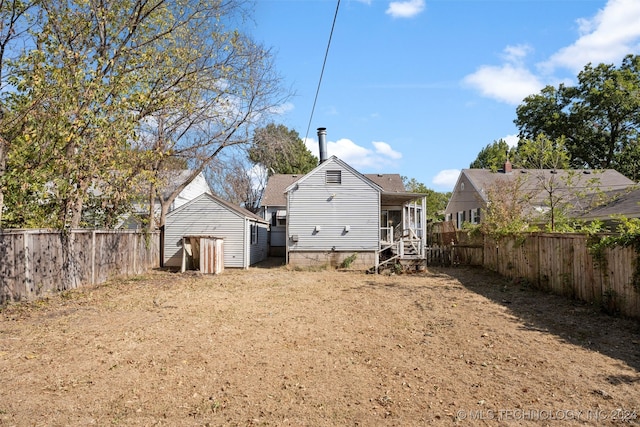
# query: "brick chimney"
{"points": [[507, 165]]}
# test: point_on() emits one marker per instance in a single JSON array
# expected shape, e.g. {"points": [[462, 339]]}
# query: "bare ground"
{"points": [[272, 346]]}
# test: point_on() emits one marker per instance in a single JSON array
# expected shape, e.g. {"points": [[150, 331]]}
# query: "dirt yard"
{"points": [[272, 346]]}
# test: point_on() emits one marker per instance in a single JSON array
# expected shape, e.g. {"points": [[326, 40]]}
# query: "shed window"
{"points": [[254, 234], [334, 177]]}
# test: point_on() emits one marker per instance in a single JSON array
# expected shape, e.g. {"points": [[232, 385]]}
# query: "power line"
{"points": [[326, 54]]}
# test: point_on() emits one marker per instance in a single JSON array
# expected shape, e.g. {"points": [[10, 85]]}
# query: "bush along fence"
{"points": [[36, 262], [573, 265]]}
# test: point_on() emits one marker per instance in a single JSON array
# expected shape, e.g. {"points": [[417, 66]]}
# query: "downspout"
{"points": [[286, 232], [247, 248], [379, 245]]}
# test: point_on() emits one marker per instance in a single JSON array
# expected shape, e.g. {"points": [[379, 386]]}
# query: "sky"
{"points": [[419, 87]]}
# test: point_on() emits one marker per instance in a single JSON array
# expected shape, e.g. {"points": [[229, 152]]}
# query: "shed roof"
{"points": [[240, 211]]}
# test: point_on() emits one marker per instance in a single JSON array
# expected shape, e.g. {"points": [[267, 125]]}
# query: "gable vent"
{"points": [[333, 177]]}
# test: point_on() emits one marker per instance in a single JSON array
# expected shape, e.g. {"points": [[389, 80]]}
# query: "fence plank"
{"points": [[562, 264], [31, 261]]}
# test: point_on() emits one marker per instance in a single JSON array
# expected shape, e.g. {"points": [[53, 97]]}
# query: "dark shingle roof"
{"points": [[274, 191], [625, 203], [584, 180], [391, 182]]}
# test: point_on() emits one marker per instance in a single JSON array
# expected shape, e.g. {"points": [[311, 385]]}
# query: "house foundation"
{"points": [[334, 259]]}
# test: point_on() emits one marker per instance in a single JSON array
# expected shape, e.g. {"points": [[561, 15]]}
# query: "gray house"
{"points": [[582, 189], [334, 212], [244, 233], [624, 203]]}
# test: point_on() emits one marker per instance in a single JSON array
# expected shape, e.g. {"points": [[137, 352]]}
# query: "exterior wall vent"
{"points": [[333, 177]]}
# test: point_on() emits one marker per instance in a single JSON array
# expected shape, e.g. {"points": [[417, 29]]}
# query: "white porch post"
{"points": [[423, 223]]}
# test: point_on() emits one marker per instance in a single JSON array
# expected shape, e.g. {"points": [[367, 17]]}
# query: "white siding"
{"points": [[204, 216], [353, 203], [278, 232], [194, 189]]}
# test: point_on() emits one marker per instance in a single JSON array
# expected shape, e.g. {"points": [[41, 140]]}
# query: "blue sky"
{"points": [[419, 87]]}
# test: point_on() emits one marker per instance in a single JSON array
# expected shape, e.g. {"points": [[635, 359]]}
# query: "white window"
{"points": [[281, 218], [460, 219], [474, 216], [333, 177]]}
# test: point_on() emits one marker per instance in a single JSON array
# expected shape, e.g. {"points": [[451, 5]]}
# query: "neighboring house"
{"points": [[583, 189], [625, 203], [244, 233], [273, 208], [172, 178]]}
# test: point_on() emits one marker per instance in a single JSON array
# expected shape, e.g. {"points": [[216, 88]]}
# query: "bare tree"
{"points": [[237, 181], [236, 89]]}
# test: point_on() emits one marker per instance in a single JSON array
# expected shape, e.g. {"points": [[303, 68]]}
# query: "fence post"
{"points": [[93, 257], [28, 277]]}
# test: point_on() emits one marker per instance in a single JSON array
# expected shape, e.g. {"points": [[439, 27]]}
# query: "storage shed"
{"points": [[244, 233], [203, 253]]}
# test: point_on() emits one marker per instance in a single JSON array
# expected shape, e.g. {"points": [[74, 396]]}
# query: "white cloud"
{"points": [[282, 108], [446, 178], [509, 83], [516, 53], [511, 140], [357, 156], [386, 150], [405, 9], [606, 38]]}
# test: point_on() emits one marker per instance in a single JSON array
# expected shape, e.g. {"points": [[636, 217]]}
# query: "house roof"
{"points": [[625, 203], [171, 179], [327, 163], [580, 189], [274, 192], [240, 211], [576, 180], [389, 182]]}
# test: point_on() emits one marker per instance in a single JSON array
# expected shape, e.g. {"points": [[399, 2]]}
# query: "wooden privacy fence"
{"points": [[31, 261], [561, 263]]}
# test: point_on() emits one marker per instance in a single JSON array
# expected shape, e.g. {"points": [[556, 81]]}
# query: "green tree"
{"points": [[133, 87], [542, 153], [97, 79], [14, 24], [492, 156], [436, 201], [599, 117], [281, 151]]}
